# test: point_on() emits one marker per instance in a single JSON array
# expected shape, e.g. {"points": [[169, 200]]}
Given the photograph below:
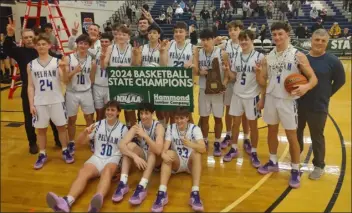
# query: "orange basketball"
{"points": [[293, 80]]}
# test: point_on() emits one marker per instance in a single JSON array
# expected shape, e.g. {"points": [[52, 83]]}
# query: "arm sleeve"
{"points": [[10, 48], [338, 76]]}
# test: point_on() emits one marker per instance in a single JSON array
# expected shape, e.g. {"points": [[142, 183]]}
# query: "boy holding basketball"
{"points": [[280, 105]]}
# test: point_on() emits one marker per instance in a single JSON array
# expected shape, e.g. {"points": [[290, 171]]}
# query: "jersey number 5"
{"points": [[106, 149]]}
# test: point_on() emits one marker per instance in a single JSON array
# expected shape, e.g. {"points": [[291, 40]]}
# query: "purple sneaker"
{"points": [[225, 142], [121, 190], [295, 179], [230, 155], [138, 196], [195, 202], [71, 148], [96, 203], [255, 160], [268, 167], [56, 203], [67, 156], [217, 150], [42, 158], [160, 202], [247, 146]]}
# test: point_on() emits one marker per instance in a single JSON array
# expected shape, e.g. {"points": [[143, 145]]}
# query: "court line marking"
{"points": [[255, 187]]}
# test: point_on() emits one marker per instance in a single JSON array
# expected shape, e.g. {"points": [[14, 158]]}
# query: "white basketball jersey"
{"points": [[246, 85], [101, 76], [121, 57], [179, 57], [93, 51], [81, 81], [192, 133], [151, 133], [107, 138], [205, 62], [279, 67], [46, 81], [150, 55], [232, 49]]}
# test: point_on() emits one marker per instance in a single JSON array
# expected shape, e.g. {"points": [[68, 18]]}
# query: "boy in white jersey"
{"points": [[81, 73], [120, 55], [245, 99], [101, 87], [93, 32], [45, 74], [184, 155], [211, 103], [150, 136], [280, 106], [179, 53], [233, 48], [149, 55], [107, 135]]}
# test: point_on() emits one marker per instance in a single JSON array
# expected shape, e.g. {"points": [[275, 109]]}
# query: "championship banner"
{"points": [[165, 87], [336, 46], [86, 20]]}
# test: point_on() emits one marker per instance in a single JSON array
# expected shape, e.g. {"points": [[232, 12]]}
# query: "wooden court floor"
{"points": [[225, 187]]}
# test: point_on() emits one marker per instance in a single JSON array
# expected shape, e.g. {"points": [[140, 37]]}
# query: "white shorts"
{"points": [[76, 99], [100, 163], [183, 165], [100, 96], [278, 110], [228, 94], [210, 104], [248, 106], [56, 112]]}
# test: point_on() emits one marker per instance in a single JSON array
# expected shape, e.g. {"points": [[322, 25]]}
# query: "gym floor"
{"points": [[225, 187]]}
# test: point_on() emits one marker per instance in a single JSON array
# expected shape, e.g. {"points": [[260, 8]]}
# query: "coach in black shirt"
{"points": [[314, 105], [23, 55]]}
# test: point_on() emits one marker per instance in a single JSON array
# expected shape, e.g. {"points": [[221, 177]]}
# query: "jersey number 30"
{"points": [[106, 149]]}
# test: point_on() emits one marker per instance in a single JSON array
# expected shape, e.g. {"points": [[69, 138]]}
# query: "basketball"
{"points": [[293, 80]]}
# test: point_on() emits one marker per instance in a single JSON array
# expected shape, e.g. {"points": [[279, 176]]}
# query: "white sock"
{"points": [[162, 188], [42, 152], [144, 182], [295, 166], [124, 178], [273, 158], [71, 141], [228, 133], [195, 188], [234, 146], [217, 140], [245, 136], [253, 150], [64, 148], [70, 200]]}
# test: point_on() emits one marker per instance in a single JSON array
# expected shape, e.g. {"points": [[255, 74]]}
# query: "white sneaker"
{"points": [[316, 173]]}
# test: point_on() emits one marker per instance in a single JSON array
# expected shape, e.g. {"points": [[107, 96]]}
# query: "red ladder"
{"points": [[38, 4]]}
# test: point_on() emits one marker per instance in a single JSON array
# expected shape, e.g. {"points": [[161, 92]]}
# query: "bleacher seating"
{"points": [[307, 21]]}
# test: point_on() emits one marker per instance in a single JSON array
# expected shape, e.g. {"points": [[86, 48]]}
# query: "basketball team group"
{"points": [[172, 143]]}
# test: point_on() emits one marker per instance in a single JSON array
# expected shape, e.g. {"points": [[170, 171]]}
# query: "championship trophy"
{"points": [[213, 79]]}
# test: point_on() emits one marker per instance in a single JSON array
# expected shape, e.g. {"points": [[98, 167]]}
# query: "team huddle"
{"points": [[172, 143]]}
